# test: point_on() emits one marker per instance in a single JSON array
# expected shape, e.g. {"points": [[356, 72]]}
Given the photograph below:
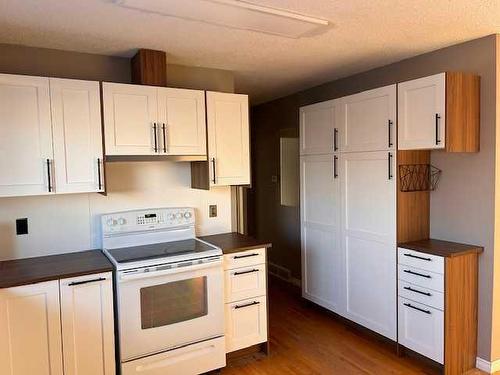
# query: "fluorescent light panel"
{"points": [[233, 14]]}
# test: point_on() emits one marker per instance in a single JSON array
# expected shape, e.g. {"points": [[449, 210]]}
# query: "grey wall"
{"points": [[462, 208]]}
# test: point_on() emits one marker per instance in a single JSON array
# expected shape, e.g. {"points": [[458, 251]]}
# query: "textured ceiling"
{"points": [[364, 34]]}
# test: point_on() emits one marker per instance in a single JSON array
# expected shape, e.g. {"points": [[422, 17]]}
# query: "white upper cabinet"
{"points": [[25, 135], [130, 119], [87, 325], [76, 121], [368, 191], [150, 120], [367, 121], [30, 330], [421, 113], [318, 134], [228, 139], [182, 121]]}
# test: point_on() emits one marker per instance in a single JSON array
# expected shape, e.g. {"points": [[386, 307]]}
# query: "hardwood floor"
{"points": [[306, 339]]}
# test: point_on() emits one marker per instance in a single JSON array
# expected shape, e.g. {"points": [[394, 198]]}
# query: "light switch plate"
{"points": [[212, 210]]}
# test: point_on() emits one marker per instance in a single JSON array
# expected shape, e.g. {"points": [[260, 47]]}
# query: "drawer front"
{"points": [[420, 277], [420, 260], [421, 328], [419, 294], [246, 323], [245, 282], [244, 259], [191, 359]]}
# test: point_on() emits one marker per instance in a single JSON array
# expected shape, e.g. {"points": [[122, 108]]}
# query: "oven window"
{"points": [[173, 302]]}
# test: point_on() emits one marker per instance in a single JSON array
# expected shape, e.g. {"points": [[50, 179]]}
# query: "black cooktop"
{"points": [[159, 250]]}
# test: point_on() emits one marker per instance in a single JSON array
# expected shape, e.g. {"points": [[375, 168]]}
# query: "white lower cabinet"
{"points": [[421, 328], [87, 325], [188, 360], [246, 323], [30, 330], [48, 324], [421, 303], [245, 299]]}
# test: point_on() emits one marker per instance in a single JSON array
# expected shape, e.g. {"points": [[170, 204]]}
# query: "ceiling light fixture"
{"points": [[235, 14]]}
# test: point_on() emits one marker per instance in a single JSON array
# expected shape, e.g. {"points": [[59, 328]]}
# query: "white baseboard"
{"points": [[486, 366]]}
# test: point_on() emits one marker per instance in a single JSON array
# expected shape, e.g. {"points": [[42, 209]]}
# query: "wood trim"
{"points": [[200, 174], [460, 321], [462, 112], [413, 208], [149, 67]]}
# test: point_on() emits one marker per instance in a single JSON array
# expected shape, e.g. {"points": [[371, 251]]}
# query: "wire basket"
{"points": [[418, 177]]}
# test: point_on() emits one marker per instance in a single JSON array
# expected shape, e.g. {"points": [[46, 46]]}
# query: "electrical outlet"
{"points": [[21, 226], [212, 210]]}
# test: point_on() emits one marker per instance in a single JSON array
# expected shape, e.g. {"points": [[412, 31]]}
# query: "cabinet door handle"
{"points": [[164, 130], [245, 272], [49, 177], [247, 305], [389, 126], [335, 139], [417, 257], [438, 141], [213, 167], [418, 274], [86, 281], [417, 291], [335, 158], [99, 173], [155, 137], [245, 256], [417, 308], [389, 166]]}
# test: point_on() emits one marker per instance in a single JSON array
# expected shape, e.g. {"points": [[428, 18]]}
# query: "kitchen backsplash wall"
{"points": [[65, 223]]}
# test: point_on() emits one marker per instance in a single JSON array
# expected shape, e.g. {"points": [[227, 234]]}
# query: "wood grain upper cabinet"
{"points": [[366, 121], [130, 119], [439, 112], [228, 139], [182, 121], [87, 325], [76, 122], [318, 134], [25, 135], [30, 330]]}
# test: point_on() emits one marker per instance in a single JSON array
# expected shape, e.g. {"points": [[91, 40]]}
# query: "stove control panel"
{"points": [[151, 219]]}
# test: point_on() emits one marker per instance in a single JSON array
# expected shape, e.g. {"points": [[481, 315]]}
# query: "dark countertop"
{"points": [[235, 242], [442, 248], [52, 267]]}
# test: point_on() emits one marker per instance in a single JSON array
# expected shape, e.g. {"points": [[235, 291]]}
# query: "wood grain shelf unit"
{"points": [[149, 67]]}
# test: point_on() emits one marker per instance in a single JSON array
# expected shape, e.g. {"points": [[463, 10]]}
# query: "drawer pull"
{"points": [[417, 274], [86, 281], [417, 257], [245, 256], [245, 272], [417, 291], [247, 305], [417, 308]]}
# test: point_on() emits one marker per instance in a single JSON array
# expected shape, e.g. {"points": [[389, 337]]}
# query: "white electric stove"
{"points": [[169, 286]]}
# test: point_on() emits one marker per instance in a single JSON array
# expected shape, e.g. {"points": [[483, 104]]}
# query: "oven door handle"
{"points": [[126, 276]]}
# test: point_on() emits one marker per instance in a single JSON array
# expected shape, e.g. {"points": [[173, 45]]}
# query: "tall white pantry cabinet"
{"points": [[348, 207]]}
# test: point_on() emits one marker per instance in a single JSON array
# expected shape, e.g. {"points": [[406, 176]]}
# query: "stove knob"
{"points": [[187, 215], [170, 216], [122, 221], [178, 215], [111, 222]]}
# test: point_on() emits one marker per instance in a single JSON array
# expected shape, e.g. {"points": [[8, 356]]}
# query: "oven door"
{"points": [[160, 309]]}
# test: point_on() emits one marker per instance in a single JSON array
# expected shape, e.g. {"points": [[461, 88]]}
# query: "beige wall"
{"points": [[462, 208], [70, 222]]}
